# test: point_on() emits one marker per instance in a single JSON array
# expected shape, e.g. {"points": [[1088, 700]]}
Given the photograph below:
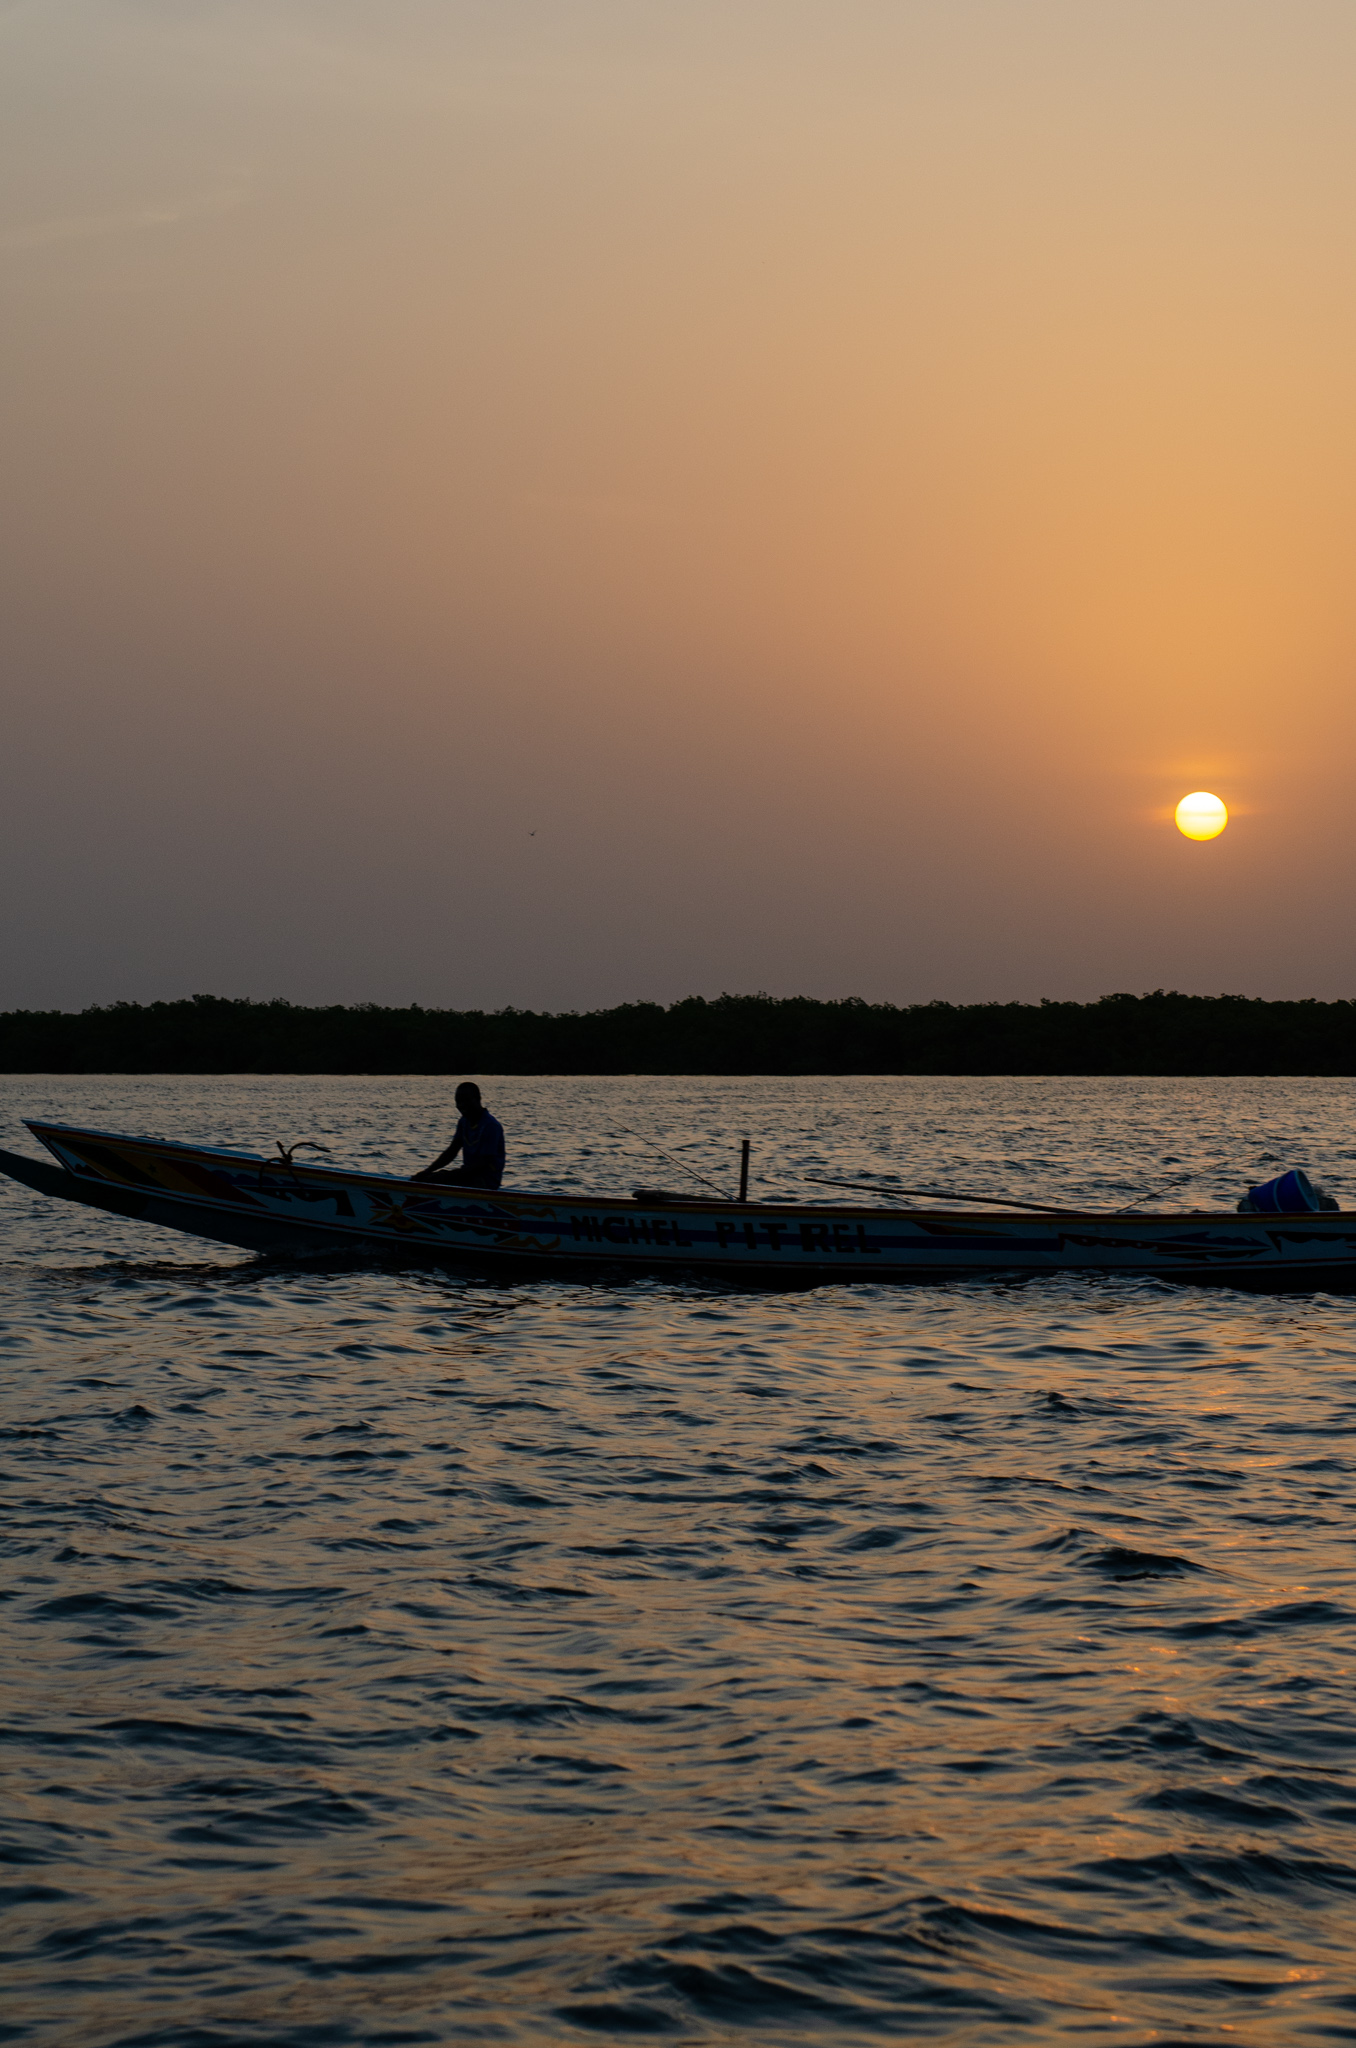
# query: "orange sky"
{"points": [[836, 474]]}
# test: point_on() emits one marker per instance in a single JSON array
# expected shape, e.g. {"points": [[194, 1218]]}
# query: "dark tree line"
{"points": [[1162, 1033]]}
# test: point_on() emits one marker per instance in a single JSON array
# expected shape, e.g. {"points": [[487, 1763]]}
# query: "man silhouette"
{"points": [[479, 1138]]}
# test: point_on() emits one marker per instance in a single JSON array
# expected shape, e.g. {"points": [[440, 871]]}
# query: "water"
{"points": [[400, 1657]]}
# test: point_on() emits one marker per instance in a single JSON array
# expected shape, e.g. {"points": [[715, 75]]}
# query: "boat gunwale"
{"points": [[688, 1204]]}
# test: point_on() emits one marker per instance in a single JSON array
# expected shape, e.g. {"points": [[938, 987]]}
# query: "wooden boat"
{"points": [[287, 1207]]}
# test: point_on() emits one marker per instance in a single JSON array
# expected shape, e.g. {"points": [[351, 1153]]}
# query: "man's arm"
{"points": [[443, 1159]]}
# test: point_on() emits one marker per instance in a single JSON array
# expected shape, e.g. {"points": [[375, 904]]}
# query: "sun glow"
{"points": [[1201, 816]]}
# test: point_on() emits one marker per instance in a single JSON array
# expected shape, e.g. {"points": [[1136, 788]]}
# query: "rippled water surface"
{"points": [[400, 1656]]}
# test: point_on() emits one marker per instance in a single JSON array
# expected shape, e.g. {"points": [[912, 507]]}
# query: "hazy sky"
{"points": [[561, 501]]}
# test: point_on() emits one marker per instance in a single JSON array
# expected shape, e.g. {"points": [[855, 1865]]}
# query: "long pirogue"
{"points": [[287, 1208]]}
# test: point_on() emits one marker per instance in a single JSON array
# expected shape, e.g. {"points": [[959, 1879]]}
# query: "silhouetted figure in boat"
{"points": [[479, 1137]]}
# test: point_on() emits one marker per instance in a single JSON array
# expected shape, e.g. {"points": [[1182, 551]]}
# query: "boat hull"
{"points": [[260, 1205]]}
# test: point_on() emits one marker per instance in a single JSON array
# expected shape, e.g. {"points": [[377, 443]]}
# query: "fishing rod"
{"points": [[938, 1195], [681, 1164], [1153, 1190]]}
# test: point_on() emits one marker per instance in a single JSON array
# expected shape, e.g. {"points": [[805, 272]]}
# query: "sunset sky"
{"points": [[561, 501]]}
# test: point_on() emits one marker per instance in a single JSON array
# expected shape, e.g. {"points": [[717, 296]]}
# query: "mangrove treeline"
{"points": [[1162, 1033]]}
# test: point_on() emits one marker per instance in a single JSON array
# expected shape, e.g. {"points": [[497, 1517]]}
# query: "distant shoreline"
{"points": [[1158, 1034]]}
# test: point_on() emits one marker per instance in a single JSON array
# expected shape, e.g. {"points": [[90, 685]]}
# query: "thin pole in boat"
{"points": [[942, 1195], [681, 1164], [744, 1171]]}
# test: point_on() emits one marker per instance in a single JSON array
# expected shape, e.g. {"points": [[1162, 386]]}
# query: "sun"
{"points": [[1201, 816]]}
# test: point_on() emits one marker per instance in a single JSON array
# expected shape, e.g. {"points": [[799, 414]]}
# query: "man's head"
{"points": [[468, 1100]]}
